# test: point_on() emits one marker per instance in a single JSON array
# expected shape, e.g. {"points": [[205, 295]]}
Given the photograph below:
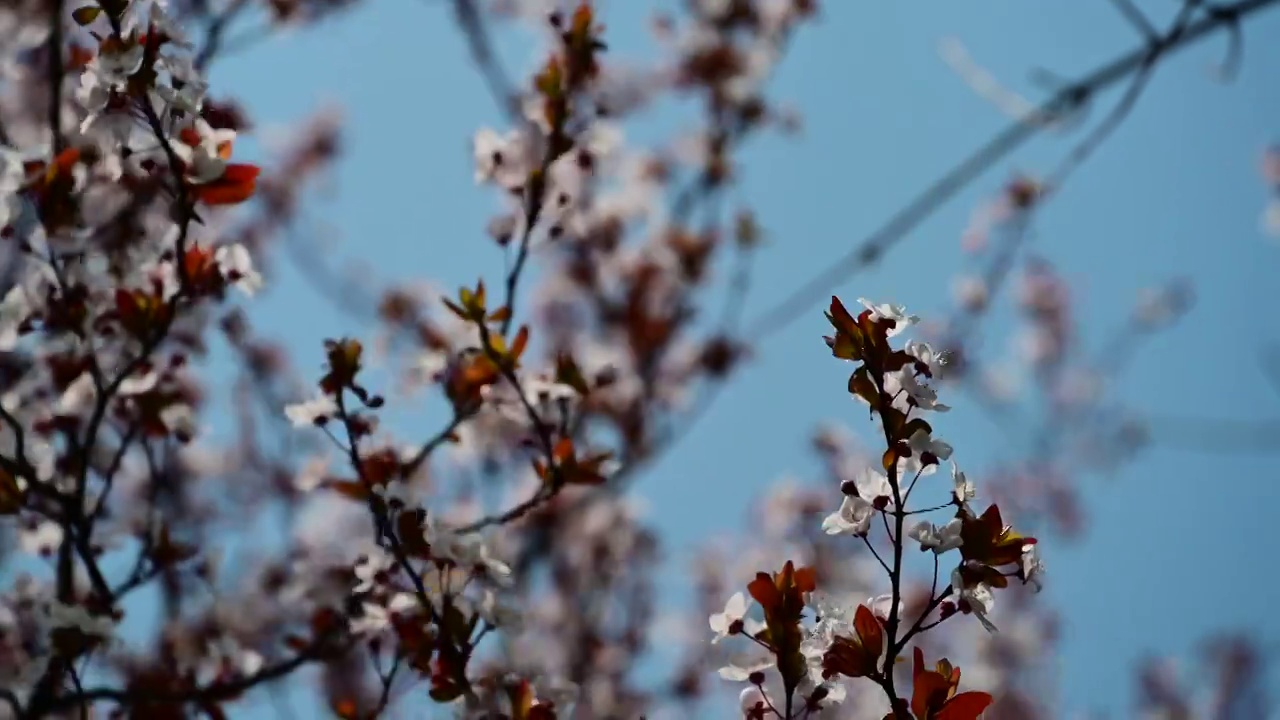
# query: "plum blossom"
{"points": [[881, 605], [963, 490], [471, 549], [938, 539], [14, 310], [42, 539], [237, 266], [375, 618], [206, 159], [497, 611], [976, 599], [369, 567], [464, 549], [873, 485], [138, 383], [116, 62], [868, 491], [505, 160], [1031, 567], [226, 652], [935, 361], [922, 442], [12, 177], [896, 313], [311, 412], [754, 702], [904, 381], [740, 673], [79, 396], [372, 620], [545, 394], [853, 517], [733, 619]]}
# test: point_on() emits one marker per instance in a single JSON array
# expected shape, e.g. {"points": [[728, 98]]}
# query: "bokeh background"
{"points": [[1177, 544]]}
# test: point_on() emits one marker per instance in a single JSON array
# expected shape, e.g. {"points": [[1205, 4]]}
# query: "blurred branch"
{"points": [[872, 248], [56, 72], [477, 35], [214, 35], [1135, 17], [207, 696], [998, 270], [1216, 435], [1270, 362]]}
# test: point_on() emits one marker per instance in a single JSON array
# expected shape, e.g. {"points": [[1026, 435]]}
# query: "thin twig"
{"points": [[872, 247]]}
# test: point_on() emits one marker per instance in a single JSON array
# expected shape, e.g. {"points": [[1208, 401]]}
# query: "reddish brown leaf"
{"points": [[965, 706], [235, 186], [869, 630], [10, 494], [518, 345], [764, 591]]}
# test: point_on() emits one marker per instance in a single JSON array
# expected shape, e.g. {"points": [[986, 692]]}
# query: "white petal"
{"points": [[736, 607]]}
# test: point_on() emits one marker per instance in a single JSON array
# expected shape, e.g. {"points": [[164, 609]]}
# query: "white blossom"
{"points": [[979, 598], [14, 309], [1032, 567], [309, 412], [922, 442], [938, 539], [76, 617], [237, 266], [905, 381], [505, 160], [498, 612], [881, 605], [853, 517], [207, 159], [42, 539], [964, 491], [370, 565], [79, 396], [896, 313], [740, 673], [735, 610]]}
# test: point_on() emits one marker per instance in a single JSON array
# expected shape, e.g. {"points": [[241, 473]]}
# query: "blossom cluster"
{"points": [[111, 275], [866, 641]]}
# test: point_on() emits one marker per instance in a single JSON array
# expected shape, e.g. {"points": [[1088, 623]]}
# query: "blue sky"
{"points": [[1178, 543]]}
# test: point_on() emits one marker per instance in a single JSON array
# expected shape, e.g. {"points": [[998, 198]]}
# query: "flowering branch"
{"points": [[894, 385]]}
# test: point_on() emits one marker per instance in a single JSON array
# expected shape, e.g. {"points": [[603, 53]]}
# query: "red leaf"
{"points": [[236, 185], [806, 579], [126, 303], [764, 591], [965, 706], [240, 173], [519, 343], [563, 450], [869, 630]]}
